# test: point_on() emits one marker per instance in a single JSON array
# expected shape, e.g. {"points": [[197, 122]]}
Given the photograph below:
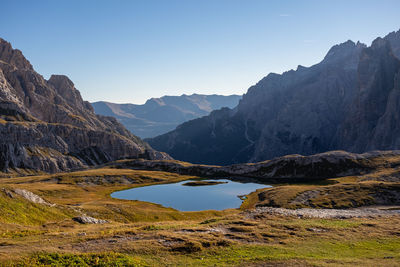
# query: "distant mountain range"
{"points": [[161, 115], [46, 126], [349, 101]]}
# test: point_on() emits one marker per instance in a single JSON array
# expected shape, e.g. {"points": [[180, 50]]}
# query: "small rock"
{"points": [[7, 192], [87, 219], [28, 195], [318, 230]]}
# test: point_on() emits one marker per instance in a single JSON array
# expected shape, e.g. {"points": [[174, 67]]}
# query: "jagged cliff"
{"points": [[348, 101], [373, 120], [46, 126]]}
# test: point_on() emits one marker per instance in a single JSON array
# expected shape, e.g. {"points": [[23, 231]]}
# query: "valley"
{"points": [[160, 115], [136, 233], [303, 170]]}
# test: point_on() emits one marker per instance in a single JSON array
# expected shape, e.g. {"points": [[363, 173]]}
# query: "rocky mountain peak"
{"points": [[348, 101], [66, 88], [339, 48], [372, 121], [46, 126], [394, 39], [373, 56], [379, 43], [343, 51], [12, 56], [61, 81], [301, 68], [155, 102]]}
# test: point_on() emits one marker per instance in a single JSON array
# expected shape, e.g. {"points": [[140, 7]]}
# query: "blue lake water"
{"points": [[192, 198]]}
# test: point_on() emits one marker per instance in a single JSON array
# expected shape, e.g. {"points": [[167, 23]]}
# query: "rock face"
{"points": [[46, 126], [348, 101], [374, 118], [160, 115]]}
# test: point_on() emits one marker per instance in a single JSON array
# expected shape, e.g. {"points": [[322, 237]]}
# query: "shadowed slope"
{"points": [[307, 111]]}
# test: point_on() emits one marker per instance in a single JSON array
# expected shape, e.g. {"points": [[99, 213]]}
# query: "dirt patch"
{"points": [[327, 213]]}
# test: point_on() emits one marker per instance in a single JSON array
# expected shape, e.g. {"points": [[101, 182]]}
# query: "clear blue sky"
{"points": [[129, 51]]}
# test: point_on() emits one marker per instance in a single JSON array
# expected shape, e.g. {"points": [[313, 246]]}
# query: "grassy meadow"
{"points": [[146, 234]]}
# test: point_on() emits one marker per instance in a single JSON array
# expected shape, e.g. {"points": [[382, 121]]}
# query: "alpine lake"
{"points": [[193, 195]]}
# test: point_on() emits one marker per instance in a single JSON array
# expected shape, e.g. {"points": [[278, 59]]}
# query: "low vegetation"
{"points": [[146, 234], [378, 188]]}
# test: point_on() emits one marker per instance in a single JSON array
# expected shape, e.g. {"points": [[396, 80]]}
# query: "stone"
{"points": [[84, 219], [28, 195]]}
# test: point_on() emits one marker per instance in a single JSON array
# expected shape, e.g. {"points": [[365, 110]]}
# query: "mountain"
{"points": [[161, 115], [46, 126], [373, 121], [349, 101]]}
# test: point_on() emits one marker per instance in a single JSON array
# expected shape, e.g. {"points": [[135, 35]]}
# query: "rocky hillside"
{"points": [[290, 168], [46, 126], [348, 101], [161, 115]]}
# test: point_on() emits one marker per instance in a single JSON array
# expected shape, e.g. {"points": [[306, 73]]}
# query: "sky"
{"points": [[129, 51]]}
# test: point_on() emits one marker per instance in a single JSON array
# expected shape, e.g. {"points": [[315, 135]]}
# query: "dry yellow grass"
{"points": [[146, 234]]}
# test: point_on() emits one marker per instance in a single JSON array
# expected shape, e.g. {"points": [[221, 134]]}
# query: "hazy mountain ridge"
{"points": [[307, 111], [45, 125], [160, 115]]}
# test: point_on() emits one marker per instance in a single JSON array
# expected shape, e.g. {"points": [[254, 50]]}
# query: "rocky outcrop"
{"points": [[28, 195], [46, 125], [288, 168], [16, 156], [13, 56], [348, 101], [84, 219], [161, 115]]}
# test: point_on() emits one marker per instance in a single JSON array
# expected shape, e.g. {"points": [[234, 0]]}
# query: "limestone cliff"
{"points": [[46, 126], [349, 101]]}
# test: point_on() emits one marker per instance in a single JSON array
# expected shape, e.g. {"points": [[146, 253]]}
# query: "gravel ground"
{"points": [[329, 213]]}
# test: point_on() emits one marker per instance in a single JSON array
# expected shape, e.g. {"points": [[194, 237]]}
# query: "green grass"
{"points": [[376, 252], [138, 233], [316, 252], [331, 223], [95, 259], [340, 195], [20, 211], [77, 188]]}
